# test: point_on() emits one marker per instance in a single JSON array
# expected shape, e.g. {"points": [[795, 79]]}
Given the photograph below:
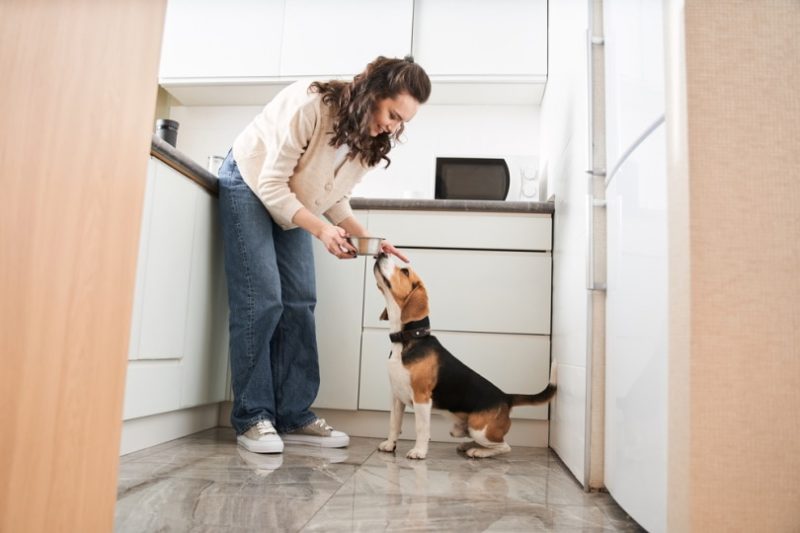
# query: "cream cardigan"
{"points": [[285, 157]]}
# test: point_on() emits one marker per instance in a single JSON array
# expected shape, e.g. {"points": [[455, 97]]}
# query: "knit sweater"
{"points": [[285, 157]]}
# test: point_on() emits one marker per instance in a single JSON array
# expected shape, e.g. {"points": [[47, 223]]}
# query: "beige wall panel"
{"points": [[743, 372], [78, 91]]}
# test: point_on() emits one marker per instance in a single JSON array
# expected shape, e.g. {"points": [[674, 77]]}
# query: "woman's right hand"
{"points": [[335, 241]]}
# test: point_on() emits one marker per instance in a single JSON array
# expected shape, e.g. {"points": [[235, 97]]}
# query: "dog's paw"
{"points": [[416, 453], [387, 446], [464, 446], [477, 452]]}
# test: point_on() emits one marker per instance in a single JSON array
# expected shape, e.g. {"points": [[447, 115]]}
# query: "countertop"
{"points": [[176, 159]]}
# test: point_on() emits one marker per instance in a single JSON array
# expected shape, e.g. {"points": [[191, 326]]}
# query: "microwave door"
{"points": [[471, 179]]}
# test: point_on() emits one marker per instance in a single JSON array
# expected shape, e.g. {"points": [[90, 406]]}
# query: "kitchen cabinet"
{"points": [[212, 39], [496, 291], [483, 52], [165, 257], [464, 230], [323, 38], [179, 340], [476, 38], [515, 363], [243, 52], [340, 293], [488, 276]]}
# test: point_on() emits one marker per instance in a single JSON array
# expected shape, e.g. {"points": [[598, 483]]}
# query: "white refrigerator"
{"points": [[635, 459]]}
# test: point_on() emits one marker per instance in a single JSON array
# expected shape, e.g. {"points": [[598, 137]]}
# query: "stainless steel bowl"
{"points": [[366, 245]]}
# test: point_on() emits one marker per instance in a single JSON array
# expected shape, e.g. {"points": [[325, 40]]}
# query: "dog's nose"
{"points": [[380, 256]]}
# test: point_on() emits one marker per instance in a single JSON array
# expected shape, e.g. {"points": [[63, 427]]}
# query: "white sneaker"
{"points": [[261, 438], [317, 433]]}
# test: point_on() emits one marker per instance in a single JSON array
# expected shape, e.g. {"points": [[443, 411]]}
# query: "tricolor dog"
{"points": [[423, 374]]}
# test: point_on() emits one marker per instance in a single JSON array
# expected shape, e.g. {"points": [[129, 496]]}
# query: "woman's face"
{"points": [[390, 113]]}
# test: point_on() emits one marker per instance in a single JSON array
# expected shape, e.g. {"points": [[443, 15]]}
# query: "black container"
{"points": [[168, 130]]}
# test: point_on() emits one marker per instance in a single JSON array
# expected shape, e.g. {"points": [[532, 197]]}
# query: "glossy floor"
{"points": [[206, 483]]}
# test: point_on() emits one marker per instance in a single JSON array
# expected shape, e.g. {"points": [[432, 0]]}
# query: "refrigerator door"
{"points": [[636, 334], [634, 72]]}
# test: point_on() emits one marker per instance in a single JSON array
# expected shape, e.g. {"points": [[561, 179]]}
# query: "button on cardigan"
{"points": [[285, 157]]}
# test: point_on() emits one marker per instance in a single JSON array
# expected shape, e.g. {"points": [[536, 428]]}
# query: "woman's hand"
{"points": [[388, 248], [335, 241]]}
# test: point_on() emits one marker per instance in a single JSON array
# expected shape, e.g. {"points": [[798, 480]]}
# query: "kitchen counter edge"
{"points": [[420, 204], [172, 157]]}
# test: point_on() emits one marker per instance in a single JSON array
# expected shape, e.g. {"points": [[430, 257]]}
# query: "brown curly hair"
{"points": [[353, 104]]}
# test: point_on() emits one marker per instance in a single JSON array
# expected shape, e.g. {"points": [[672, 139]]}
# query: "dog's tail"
{"points": [[535, 399]]}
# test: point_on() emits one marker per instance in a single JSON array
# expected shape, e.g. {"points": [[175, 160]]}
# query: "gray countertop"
{"points": [[418, 204], [194, 171]]}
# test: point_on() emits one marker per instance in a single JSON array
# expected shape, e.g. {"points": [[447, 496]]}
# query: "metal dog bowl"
{"points": [[366, 245]]}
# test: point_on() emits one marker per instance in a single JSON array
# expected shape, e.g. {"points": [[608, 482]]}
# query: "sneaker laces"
{"points": [[264, 427], [320, 422]]}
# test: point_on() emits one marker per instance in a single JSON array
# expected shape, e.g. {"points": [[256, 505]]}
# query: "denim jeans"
{"points": [[271, 294]]}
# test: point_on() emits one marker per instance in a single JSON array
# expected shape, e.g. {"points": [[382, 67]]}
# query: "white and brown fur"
{"points": [[423, 374]]}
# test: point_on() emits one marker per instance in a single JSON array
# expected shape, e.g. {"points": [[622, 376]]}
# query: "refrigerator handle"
{"points": [[591, 204]]}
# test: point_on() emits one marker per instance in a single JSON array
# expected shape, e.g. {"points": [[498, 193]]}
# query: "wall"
{"points": [[447, 130], [734, 216], [564, 160]]}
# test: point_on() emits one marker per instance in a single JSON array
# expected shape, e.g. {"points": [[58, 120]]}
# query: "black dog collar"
{"points": [[412, 330]]}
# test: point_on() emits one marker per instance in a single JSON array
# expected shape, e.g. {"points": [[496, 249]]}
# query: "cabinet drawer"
{"points": [[517, 364], [468, 290], [447, 229]]}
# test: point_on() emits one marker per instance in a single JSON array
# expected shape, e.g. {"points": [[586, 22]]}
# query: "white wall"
{"points": [[564, 160], [444, 130]]}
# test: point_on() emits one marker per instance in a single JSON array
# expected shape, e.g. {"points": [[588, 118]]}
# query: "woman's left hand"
{"points": [[388, 248]]}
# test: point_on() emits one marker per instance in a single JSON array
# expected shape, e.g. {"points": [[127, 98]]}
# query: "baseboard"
{"points": [[225, 409], [375, 424], [140, 433]]}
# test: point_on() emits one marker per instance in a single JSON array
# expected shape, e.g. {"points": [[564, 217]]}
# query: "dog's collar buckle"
{"points": [[412, 330], [407, 335]]}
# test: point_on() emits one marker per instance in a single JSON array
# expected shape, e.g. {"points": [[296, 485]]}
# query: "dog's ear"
{"points": [[384, 315], [416, 304]]}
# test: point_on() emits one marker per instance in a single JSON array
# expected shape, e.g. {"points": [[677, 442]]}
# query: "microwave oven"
{"points": [[487, 178]]}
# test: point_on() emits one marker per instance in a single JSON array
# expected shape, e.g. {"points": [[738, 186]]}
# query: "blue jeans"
{"points": [[271, 294]]}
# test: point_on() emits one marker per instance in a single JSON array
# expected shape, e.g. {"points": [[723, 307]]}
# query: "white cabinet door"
{"points": [[475, 290], [323, 38], [205, 357], [340, 290], [517, 364], [163, 301], [209, 38], [478, 38], [178, 349]]}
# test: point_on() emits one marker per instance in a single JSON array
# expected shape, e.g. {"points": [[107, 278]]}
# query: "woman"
{"points": [[298, 159]]}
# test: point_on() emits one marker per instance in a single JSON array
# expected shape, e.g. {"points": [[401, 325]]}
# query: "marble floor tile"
{"points": [[205, 482]]}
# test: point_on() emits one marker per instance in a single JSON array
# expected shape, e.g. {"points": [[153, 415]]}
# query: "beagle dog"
{"points": [[423, 374]]}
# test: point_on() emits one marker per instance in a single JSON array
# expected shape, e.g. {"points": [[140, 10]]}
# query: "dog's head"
{"points": [[405, 294]]}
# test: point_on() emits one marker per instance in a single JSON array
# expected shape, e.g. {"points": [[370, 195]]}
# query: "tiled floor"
{"points": [[205, 483]]}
